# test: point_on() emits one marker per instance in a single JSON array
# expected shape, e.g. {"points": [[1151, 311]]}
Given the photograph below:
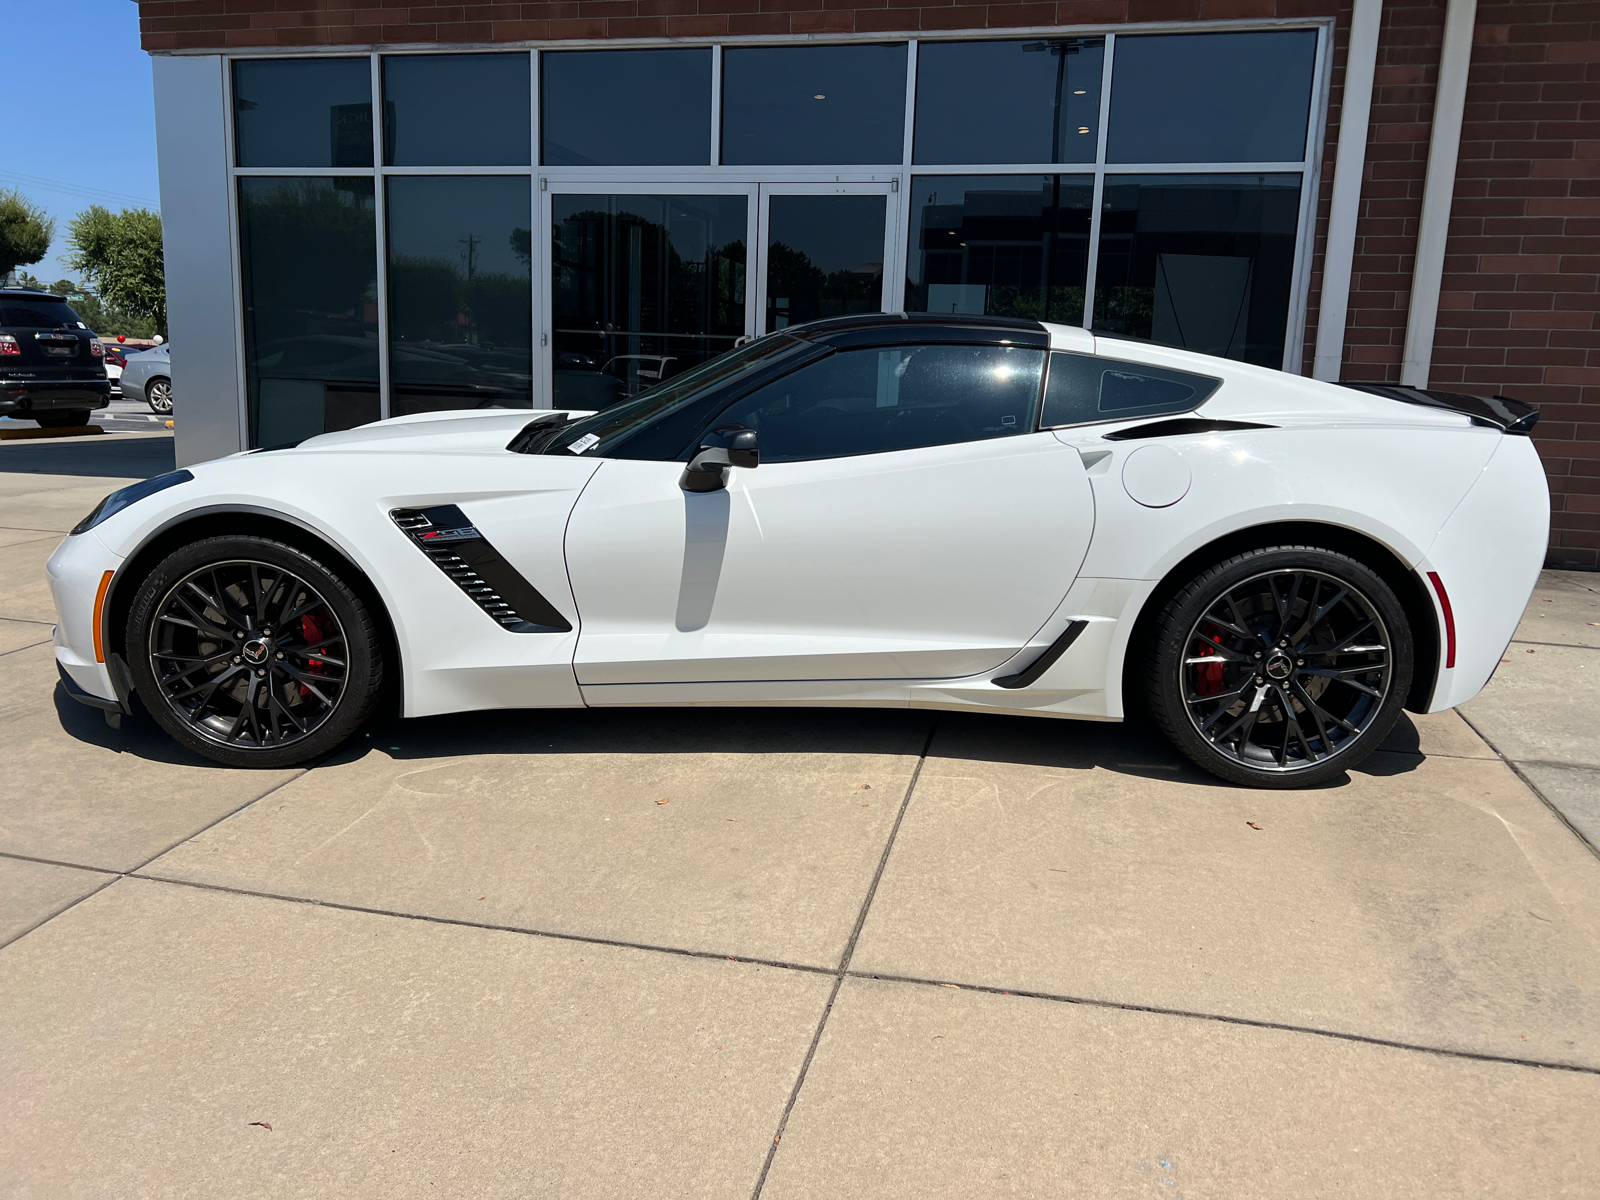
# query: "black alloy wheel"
{"points": [[1282, 667], [158, 395], [253, 653]]}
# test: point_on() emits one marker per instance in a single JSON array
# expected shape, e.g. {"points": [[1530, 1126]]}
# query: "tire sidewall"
{"points": [[364, 672], [1166, 690]]}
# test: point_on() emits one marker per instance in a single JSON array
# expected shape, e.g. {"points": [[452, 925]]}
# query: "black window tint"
{"points": [[1211, 97], [785, 105], [303, 112], [1005, 245], [875, 400], [626, 107], [1083, 389], [457, 110], [1008, 102], [36, 314]]}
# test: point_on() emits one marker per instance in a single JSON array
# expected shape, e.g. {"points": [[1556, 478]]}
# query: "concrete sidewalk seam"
{"points": [[844, 962], [1226, 1019], [1556, 645], [1534, 788], [464, 923], [126, 874], [29, 646]]}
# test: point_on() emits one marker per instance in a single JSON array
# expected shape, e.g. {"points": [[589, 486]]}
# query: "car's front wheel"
{"points": [[158, 395], [253, 653], [1281, 667]]}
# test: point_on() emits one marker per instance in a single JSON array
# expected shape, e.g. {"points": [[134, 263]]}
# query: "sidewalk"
{"points": [[785, 953], [1541, 711]]}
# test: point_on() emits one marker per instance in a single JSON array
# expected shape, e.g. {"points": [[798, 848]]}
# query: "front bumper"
{"points": [[75, 571]]}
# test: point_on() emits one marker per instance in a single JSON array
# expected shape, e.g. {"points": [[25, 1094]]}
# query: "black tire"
{"points": [[272, 694], [1281, 667], [158, 395], [67, 418]]}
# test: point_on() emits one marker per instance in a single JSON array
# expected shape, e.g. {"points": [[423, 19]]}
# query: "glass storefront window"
{"points": [[1204, 262], [643, 288], [309, 264], [1001, 245], [460, 292], [824, 258], [790, 105], [1008, 102], [625, 107], [1211, 97], [302, 112], [457, 110]]}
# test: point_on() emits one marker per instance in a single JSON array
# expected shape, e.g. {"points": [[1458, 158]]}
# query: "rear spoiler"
{"points": [[1497, 412]]}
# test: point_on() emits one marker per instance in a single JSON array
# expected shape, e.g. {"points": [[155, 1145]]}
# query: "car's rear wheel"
{"points": [[158, 395], [252, 652], [65, 419], [1281, 667]]}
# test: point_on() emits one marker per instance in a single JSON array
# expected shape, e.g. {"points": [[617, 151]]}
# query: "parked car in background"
{"points": [[147, 376], [52, 368], [116, 359]]}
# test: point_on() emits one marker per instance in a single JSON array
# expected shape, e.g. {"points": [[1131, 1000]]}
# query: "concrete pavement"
{"points": [[785, 952]]}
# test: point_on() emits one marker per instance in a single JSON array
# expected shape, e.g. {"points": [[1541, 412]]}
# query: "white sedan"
{"points": [[889, 511]]}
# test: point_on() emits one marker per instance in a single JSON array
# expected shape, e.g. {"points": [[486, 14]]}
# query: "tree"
{"points": [[120, 254], [97, 315], [25, 231]]}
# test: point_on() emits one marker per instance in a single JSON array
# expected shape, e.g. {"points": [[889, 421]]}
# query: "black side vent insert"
{"points": [[1182, 427], [477, 568]]}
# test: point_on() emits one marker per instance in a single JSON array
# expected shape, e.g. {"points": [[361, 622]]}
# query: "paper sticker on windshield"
{"points": [[584, 443]]}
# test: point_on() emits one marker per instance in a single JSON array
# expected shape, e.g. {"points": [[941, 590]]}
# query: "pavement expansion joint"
{"points": [[1227, 1019], [1533, 787], [844, 962]]}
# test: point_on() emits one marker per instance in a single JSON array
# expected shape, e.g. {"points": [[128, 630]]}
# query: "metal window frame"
{"points": [[713, 176]]}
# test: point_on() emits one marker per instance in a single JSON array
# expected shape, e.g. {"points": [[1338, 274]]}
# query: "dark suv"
{"points": [[51, 367]]}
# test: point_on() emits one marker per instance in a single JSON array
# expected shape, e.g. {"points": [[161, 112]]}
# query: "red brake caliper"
{"points": [[1208, 675], [313, 630]]}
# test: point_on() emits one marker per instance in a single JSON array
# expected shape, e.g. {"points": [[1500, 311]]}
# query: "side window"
{"points": [[876, 400], [1084, 389]]}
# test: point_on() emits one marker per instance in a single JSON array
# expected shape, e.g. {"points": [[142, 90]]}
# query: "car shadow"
{"points": [[1133, 748], [103, 457], [138, 735]]}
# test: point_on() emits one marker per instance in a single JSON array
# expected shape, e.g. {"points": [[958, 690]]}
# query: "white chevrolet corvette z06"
{"points": [[888, 510]]}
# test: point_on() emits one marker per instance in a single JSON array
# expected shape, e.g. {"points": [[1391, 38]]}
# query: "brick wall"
{"points": [[1520, 311]]}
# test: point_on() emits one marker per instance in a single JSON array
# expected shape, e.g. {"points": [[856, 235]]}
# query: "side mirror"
{"points": [[724, 447]]}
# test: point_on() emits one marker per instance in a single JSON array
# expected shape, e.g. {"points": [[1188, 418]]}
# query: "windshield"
{"points": [[605, 429], [20, 312]]}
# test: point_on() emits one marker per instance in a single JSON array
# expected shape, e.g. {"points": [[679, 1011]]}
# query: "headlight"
{"points": [[121, 498]]}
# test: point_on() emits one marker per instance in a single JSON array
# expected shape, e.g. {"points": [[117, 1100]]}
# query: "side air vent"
{"points": [[456, 547]]}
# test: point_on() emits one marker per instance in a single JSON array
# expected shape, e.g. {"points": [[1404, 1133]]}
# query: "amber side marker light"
{"points": [[1449, 619], [99, 610]]}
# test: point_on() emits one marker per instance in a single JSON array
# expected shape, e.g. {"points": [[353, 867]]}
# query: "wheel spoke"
{"points": [[1293, 705], [283, 697]]}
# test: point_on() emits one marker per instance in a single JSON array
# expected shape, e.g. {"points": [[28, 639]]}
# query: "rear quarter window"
{"points": [[1082, 389]]}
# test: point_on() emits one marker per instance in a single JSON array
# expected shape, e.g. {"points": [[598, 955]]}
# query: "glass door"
{"points": [[825, 250], [643, 285]]}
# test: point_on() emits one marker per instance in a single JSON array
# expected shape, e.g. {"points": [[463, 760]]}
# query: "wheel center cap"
{"points": [[255, 651], [1279, 667]]}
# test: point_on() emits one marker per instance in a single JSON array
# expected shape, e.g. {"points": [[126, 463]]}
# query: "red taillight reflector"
{"points": [[8, 344], [1449, 619], [99, 611]]}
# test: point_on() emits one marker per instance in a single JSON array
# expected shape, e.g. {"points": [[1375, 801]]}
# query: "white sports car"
{"points": [[889, 510]]}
